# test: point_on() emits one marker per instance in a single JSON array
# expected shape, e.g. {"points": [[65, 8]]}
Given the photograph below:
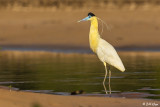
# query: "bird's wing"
{"points": [[108, 54]]}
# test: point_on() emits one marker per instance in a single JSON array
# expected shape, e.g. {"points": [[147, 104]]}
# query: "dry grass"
{"points": [[77, 3]]}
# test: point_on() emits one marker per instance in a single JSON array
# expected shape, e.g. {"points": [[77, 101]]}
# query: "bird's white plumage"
{"points": [[106, 53]]}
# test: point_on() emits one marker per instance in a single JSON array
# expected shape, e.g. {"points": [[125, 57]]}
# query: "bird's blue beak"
{"points": [[85, 19]]}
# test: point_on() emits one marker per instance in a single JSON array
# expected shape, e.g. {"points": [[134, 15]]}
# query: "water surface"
{"points": [[59, 73]]}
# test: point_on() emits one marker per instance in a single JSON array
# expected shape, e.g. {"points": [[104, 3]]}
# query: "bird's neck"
{"points": [[94, 34]]}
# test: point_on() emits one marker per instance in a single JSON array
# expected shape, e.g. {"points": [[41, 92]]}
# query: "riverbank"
{"points": [[48, 28], [27, 99]]}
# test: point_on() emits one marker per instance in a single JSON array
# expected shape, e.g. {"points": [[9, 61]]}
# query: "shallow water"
{"points": [[54, 73]]}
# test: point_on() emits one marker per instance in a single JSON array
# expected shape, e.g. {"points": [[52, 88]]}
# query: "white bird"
{"points": [[105, 51]]}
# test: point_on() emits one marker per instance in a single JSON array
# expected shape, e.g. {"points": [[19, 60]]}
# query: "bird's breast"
{"points": [[93, 39], [94, 35]]}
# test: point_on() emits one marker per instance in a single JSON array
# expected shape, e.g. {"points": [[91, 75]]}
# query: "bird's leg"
{"points": [[109, 80], [105, 78]]}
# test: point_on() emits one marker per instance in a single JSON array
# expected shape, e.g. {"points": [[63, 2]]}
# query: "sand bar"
{"points": [[26, 99]]}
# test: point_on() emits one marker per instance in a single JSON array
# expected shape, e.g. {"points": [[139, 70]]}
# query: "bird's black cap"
{"points": [[90, 14]]}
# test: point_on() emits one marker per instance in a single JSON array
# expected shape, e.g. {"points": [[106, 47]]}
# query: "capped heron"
{"points": [[105, 51]]}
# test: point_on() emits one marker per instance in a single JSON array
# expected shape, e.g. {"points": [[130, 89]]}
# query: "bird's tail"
{"points": [[121, 67]]}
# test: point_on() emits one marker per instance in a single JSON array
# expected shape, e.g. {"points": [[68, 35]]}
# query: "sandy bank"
{"points": [[137, 28], [27, 99]]}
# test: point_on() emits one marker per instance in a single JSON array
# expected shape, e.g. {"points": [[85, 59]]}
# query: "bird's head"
{"points": [[89, 17]]}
